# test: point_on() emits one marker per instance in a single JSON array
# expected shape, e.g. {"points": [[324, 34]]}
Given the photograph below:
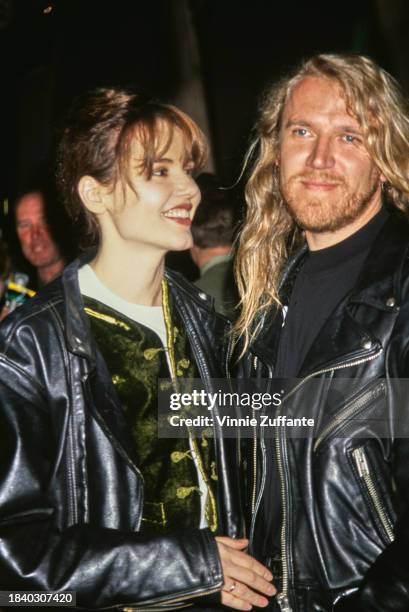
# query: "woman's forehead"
{"points": [[166, 139]]}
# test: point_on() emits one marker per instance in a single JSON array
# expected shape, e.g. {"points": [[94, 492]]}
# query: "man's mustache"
{"points": [[322, 177]]}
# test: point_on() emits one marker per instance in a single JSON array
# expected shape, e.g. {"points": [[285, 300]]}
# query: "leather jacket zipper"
{"points": [[255, 504], [253, 496], [283, 602], [362, 465], [160, 609], [254, 492], [71, 475], [341, 366], [350, 410], [229, 352], [282, 597], [174, 600]]}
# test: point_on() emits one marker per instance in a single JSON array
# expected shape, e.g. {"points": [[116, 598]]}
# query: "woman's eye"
{"points": [[160, 171]]}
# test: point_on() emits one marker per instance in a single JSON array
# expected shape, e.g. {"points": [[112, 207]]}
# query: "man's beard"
{"points": [[329, 212]]}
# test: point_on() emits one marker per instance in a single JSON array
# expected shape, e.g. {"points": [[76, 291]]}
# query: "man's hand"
{"points": [[241, 572]]}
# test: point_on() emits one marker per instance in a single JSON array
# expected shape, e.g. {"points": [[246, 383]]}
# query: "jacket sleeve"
{"points": [[105, 567], [385, 587]]}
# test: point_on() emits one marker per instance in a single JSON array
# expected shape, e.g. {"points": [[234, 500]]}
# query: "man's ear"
{"points": [[92, 193]]}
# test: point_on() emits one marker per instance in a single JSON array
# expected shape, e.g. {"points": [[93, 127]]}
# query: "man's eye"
{"points": [[350, 138], [301, 132]]}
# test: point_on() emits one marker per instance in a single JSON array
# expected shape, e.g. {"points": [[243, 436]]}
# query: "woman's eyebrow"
{"points": [[164, 159]]}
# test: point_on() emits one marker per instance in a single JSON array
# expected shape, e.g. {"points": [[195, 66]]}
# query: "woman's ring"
{"points": [[233, 586]]}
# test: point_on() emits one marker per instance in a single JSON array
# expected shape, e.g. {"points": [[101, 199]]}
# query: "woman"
{"points": [[90, 499]]}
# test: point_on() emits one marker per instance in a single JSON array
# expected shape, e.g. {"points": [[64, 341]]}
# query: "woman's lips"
{"points": [[181, 220], [180, 214]]}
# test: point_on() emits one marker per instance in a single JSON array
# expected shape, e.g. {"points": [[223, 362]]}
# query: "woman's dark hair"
{"points": [[96, 141]]}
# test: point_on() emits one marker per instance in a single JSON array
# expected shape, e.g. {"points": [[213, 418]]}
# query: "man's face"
{"points": [[328, 179], [33, 231]]}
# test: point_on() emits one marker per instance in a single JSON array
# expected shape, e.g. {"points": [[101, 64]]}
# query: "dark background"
{"points": [[211, 57]]}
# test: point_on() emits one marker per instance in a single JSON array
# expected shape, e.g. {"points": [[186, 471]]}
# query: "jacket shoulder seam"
{"points": [[22, 372], [30, 315]]}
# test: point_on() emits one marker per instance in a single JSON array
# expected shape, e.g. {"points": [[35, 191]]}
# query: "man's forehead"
{"points": [[31, 203], [316, 96]]}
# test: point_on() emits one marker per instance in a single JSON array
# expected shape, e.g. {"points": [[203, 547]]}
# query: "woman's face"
{"points": [[157, 213]]}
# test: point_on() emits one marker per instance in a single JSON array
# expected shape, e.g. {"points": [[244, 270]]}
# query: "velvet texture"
{"points": [[136, 359]]}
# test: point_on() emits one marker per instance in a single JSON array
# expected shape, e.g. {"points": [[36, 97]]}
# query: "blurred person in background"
{"points": [[213, 230], [37, 243]]}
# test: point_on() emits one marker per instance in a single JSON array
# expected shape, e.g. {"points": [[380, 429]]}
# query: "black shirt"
{"points": [[326, 277]]}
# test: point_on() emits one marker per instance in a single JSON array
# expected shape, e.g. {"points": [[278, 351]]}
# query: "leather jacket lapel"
{"points": [[105, 404], [340, 341], [344, 337], [101, 393]]}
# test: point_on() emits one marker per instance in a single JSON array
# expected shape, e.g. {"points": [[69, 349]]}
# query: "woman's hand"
{"points": [[244, 577]]}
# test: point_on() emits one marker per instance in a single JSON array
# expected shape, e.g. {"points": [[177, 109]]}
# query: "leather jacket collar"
{"points": [[76, 323], [379, 286], [195, 309]]}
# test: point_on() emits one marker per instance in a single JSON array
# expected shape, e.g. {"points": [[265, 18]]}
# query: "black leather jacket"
{"points": [[71, 495], [345, 491]]}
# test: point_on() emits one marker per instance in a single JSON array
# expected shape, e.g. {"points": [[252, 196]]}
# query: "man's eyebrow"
{"points": [[292, 122], [352, 129]]}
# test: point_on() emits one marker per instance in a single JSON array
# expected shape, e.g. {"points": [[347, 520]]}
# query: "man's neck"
{"points": [[47, 273], [203, 256]]}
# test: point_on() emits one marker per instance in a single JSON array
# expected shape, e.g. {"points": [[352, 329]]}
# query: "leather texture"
{"points": [[71, 493], [337, 552]]}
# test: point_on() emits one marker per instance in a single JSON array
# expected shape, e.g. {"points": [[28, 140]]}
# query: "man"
{"points": [[329, 514], [213, 229], [35, 237]]}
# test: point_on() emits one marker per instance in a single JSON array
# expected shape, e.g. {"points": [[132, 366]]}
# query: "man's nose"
{"points": [[322, 155], [37, 231]]}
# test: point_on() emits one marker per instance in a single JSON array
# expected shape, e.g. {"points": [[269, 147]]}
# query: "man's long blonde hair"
{"points": [[269, 233]]}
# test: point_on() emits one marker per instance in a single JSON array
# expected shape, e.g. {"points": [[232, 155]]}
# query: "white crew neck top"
{"points": [[150, 316]]}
